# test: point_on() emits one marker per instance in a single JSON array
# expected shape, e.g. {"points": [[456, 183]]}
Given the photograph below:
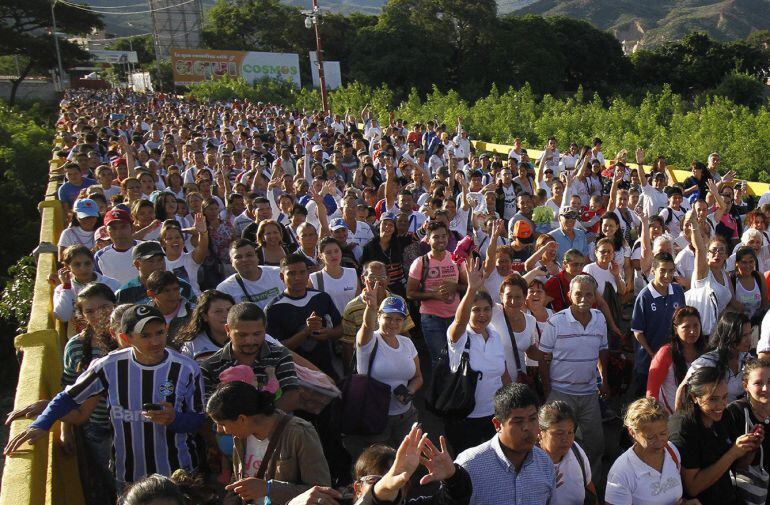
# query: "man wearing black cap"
{"points": [[156, 396], [148, 258]]}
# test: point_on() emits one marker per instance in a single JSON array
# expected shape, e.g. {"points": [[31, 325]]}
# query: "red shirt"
{"points": [[557, 287]]}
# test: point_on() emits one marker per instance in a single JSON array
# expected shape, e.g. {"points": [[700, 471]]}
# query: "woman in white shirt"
{"points": [[339, 282], [557, 438], [709, 268], [517, 330], [649, 472], [471, 332], [605, 269], [390, 358]]}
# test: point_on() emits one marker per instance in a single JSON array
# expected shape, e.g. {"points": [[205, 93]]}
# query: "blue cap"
{"points": [[694, 197], [86, 208], [393, 304], [338, 224], [388, 215]]}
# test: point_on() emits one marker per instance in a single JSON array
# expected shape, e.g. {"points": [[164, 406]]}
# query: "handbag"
{"points": [[522, 377], [363, 409], [752, 481], [452, 395], [589, 497]]}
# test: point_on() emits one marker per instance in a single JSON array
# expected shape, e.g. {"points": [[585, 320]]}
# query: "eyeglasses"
{"points": [[718, 250], [370, 479]]}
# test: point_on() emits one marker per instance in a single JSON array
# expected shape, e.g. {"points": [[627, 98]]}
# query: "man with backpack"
{"points": [[436, 281]]}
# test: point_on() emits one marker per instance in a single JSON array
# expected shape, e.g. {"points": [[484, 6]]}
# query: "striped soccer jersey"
{"points": [[141, 447]]}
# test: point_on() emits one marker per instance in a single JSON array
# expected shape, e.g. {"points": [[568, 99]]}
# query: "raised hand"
{"points": [[474, 273], [407, 461], [729, 177], [369, 294], [200, 225], [640, 155], [438, 462]]}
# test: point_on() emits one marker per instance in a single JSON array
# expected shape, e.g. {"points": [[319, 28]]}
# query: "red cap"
{"points": [[117, 215], [118, 161]]}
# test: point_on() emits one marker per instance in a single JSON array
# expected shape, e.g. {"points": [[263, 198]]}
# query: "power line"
{"points": [[121, 37], [88, 9], [110, 6]]}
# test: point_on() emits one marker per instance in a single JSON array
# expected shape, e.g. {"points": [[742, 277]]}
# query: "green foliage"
{"points": [[16, 297], [24, 154], [229, 88], [142, 44], [741, 88]]}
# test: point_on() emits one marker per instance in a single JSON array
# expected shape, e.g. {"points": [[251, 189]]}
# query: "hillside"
{"points": [[655, 21]]}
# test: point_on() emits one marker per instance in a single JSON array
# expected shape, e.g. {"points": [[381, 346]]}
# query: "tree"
{"points": [[142, 44], [25, 30]]}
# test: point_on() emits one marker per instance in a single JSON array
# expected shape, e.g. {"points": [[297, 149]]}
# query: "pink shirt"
{"points": [[438, 273]]}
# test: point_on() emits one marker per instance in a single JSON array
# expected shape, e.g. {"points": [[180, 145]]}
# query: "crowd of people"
{"points": [[268, 305]]}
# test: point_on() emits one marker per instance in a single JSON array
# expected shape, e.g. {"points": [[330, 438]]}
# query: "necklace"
{"points": [[756, 411]]}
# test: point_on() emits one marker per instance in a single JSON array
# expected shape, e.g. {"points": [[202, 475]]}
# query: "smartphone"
{"points": [[150, 407]]}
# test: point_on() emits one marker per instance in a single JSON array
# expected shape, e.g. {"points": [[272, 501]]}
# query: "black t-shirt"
{"points": [[701, 447], [702, 187], [734, 421], [286, 316], [393, 259], [520, 257]]}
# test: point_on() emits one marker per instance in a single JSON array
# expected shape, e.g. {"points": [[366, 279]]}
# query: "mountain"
{"points": [[652, 22]]}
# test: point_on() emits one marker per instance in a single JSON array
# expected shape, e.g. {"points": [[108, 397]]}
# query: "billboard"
{"points": [[332, 73], [197, 65], [113, 57]]}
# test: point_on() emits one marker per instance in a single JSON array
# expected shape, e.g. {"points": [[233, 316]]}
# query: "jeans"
{"points": [[590, 431], [434, 330]]}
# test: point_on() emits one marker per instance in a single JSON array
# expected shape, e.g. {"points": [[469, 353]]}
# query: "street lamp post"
{"points": [[313, 19], [56, 45]]}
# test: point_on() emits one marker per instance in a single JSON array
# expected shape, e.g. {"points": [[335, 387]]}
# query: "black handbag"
{"points": [[452, 395], [363, 408]]}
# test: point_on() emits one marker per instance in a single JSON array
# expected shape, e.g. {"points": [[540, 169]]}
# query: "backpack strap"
{"points": [[672, 453], [513, 342], [670, 215], [424, 273], [239, 280], [319, 280], [580, 462], [274, 437]]}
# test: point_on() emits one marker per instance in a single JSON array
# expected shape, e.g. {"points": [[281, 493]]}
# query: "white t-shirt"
{"points": [[632, 482], [674, 222], [653, 200], [393, 366], [723, 292], [572, 490], [524, 340], [116, 264], [185, 268], [492, 285], [601, 275], [685, 263], [260, 292], [487, 357], [341, 290], [75, 235], [363, 234]]}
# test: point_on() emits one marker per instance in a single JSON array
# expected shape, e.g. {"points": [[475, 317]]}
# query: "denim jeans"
{"points": [[434, 330]]}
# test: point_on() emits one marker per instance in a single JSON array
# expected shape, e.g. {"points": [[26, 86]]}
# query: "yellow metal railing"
{"points": [[43, 473]]}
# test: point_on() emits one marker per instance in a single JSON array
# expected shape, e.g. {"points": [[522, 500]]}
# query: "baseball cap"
{"points": [[569, 212], [388, 215], [393, 305], [86, 208], [317, 148], [136, 318], [146, 250], [101, 234], [523, 231], [338, 224], [117, 215]]}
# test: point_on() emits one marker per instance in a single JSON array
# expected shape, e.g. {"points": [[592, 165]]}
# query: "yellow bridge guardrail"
{"points": [[755, 188], [43, 473]]}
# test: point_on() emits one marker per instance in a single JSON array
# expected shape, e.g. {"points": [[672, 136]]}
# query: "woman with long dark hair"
{"points": [[669, 365], [250, 416], [205, 333], [707, 453]]}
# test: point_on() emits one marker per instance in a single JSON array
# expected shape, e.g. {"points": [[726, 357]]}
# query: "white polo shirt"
{"points": [[632, 482], [575, 351]]}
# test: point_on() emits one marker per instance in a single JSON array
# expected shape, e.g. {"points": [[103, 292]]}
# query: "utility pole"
{"points": [[56, 45], [314, 19]]}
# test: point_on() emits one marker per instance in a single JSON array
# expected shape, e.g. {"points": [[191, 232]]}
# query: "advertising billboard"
{"points": [[113, 57], [197, 65], [332, 74]]}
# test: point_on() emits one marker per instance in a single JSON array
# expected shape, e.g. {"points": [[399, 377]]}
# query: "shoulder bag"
{"points": [[452, 395]]}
